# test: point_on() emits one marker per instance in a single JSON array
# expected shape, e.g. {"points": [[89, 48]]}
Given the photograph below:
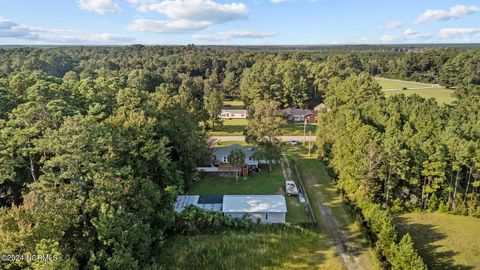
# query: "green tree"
{"points": [[237, 159]]}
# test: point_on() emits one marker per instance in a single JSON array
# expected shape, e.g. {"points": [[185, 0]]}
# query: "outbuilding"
{"points": [[264, 208]]}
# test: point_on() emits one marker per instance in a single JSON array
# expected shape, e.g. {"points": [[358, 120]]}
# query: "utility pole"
{"points": [[304, 130], [309, 143]]}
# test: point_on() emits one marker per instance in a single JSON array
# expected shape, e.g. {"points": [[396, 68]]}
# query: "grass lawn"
{"points": [[233, 104], [227, 143], [264, 182], [399, 84], [234, 127], [444, 241], [264, 247], [442, 95]]}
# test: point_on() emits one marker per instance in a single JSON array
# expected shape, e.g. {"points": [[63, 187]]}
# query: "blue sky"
{"points": [[238, 21]]}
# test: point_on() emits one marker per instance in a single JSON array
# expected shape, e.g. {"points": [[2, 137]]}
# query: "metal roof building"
{"points": [[264, 208]]}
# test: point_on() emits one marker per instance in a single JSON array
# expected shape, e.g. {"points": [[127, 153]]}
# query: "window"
{"points": [[266, 216], [224, 159]]}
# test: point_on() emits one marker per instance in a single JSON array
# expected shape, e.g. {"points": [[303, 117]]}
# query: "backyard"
{"points": [[258, 183]]}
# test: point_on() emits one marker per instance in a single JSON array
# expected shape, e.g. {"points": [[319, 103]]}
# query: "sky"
{"points": [[238, 22]]}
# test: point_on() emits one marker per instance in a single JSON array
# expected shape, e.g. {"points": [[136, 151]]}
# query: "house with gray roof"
{"points": [[264, 208], [299, 115]]}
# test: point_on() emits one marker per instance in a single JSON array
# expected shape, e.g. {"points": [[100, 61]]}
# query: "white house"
{"points": [[265, 208], [233, 114]]}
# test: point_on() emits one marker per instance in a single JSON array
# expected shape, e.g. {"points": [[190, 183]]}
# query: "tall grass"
{"points": [[263, 247]]}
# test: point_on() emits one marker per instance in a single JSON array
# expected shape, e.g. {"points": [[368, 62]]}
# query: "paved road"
{"points": [[282, 138]]}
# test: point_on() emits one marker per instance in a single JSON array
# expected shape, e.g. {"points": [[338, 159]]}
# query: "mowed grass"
{"points": [[233, 104], [257, 183], [442, 95], [444, 241], [235, 127], [264, 247], [399, 84]]}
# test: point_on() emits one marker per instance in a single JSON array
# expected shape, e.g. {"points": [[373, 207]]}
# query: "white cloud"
{"points": [[408, 35], [99, 6], [164, 26], [279, 1], [393, 25], [234, 34], [447, 33], [11, 29], [186, 15], [454, 12], [409, 32], [388, 39]]}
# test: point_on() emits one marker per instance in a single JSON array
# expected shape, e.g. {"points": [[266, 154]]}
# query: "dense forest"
{"points": [[95, 142]]}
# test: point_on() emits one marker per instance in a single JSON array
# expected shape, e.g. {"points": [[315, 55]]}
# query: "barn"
{"points": [[264, 208]]}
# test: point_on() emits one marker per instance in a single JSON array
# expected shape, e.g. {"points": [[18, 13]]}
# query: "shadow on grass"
{"points": [[425, 239]]}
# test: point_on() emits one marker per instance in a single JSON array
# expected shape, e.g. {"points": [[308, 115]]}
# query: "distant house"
{"points": [[299, 115], [233, 114], [264, 208]]}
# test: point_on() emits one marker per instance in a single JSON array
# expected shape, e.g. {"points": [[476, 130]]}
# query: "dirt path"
{"points": [[347, 245]]}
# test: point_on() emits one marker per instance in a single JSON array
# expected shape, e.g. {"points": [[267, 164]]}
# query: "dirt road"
{"points": [[325, 201]]}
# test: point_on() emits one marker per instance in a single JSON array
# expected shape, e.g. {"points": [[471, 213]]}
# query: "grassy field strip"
{"points": [[345, 233], [346, 216], [444, 241]]}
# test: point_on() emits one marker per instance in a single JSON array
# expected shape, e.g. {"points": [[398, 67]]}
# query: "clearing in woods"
{"points": [[394, 87]]}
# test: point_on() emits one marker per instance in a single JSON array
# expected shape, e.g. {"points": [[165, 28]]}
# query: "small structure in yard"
{"points": [[299, 115], [233, 114], [264, 208], [291, 188]]}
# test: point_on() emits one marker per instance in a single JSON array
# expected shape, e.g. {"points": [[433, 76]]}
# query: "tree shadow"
{"points": [[425, 238]]}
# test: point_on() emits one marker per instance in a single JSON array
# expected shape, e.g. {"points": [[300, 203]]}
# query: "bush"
{"points": [[194, 220]]}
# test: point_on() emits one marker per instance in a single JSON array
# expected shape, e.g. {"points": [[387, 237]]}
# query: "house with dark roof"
{"points": [[299, 115]]}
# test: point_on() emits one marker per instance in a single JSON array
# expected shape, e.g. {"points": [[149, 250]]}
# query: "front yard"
{"points": [[258, 183], [235, 127]]}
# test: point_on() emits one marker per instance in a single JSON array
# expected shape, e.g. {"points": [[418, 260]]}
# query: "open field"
{"points": [[442, 95], [390, 84], [331, 213], [264, 247], [444, 241], [394, 87], [233, 104], [235, 127]]}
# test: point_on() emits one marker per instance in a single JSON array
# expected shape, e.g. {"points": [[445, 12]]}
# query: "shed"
{"points": [[266, 208]]}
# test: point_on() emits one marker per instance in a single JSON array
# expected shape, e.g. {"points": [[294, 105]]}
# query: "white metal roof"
{"points": [[254, 203]]}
